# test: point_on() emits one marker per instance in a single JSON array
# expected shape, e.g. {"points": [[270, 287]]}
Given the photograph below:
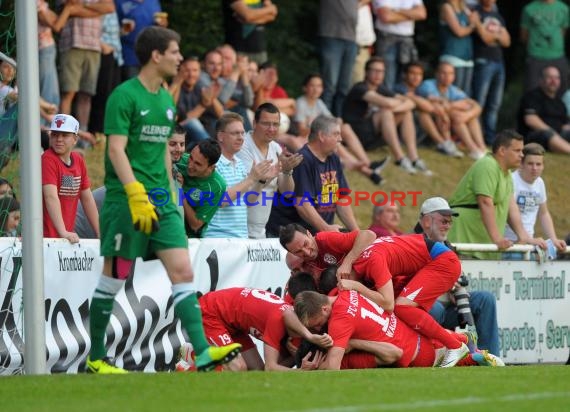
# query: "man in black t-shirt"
{"points": [[373, 111], [542, 116]]}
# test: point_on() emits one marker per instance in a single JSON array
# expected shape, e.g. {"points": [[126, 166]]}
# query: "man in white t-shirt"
{"points": [[260, 145], [395, 25], [530, 196]]}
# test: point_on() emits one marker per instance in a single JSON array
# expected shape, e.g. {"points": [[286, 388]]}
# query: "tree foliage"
{"points": [[292, 37]]}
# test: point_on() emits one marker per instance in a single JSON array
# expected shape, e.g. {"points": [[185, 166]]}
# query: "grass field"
{"points": [[514, 388]]}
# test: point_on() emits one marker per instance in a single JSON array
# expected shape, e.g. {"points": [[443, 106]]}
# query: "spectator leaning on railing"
{"points": [[530, 196], [484, 198]]}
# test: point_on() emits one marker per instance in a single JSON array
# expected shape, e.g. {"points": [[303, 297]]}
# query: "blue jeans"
{"points": [[390, 57], [8, 134], [49, 83], [488, 86], [463, 76], [336, 61], [484, 309], [397, 51], [195, 131]]}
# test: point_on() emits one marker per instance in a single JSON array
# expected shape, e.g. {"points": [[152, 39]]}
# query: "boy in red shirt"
{"points": [[65, 182]]}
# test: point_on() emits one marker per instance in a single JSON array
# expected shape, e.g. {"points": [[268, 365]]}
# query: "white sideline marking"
{"points": [[435, 403]]}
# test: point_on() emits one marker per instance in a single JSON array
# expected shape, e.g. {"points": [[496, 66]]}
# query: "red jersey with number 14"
{"points": [[355, 317]]}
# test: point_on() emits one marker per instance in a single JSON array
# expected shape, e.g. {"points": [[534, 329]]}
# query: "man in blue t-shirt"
{"points": [[463, 111]]}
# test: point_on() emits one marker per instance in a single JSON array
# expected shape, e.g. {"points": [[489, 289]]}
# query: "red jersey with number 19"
{"points": [[244, 311], [355, 317]]}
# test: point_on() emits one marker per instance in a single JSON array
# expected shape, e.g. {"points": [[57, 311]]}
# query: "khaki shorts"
{"points": [[119, 237], [78, 70]]}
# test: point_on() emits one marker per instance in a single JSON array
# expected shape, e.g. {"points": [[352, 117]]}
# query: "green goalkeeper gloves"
{"points": [[143, 212]]}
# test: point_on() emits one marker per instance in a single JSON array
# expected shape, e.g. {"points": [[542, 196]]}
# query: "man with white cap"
{"points": [[65, 182], [436, 218]]}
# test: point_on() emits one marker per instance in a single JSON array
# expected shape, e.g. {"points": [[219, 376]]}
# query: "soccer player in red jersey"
{"points": [[325, 248], [417, 271], [355, 321], [353, 316], [233, 314]]}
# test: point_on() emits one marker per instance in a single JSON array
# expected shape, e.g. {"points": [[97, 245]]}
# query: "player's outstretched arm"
{"points": [[333, 359], [362, 241]]}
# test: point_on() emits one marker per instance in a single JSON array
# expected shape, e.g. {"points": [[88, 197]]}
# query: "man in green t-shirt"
{"points": [[139, 119], [203, 185], [543, 29], [484, 199]]}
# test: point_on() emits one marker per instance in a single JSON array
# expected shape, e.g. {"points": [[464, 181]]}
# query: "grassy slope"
{"points": [[447, 172], [520, 388]]}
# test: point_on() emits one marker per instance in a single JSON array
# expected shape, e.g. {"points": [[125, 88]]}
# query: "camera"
{"points": [[461, 295], [463, 280]]}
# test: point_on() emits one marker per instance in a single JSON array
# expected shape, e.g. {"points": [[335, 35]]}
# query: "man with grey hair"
{"points": [[386, 220], [436, 218], [318, 180]]}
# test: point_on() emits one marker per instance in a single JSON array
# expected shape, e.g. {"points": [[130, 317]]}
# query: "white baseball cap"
{"points": [[8, 60], [437, 204], [64, 123]]}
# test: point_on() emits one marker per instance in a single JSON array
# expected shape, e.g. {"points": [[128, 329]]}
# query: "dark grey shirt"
{"points": [[337, 19], [82, 226]]}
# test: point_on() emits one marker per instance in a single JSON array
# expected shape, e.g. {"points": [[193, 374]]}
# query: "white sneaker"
{"points": [[186, 353], [406, 164], [183, 366], [185, 358], [452, 356], [420, 165], [439, 355], [476, 155], [450, 149]]}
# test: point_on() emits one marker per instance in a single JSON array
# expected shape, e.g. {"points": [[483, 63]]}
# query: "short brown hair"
{"points": [[308, 304], [226, 119], [154, 38], [533, 149]]}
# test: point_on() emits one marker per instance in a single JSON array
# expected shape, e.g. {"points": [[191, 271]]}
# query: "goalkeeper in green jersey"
{"points": [[139, 118]]}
